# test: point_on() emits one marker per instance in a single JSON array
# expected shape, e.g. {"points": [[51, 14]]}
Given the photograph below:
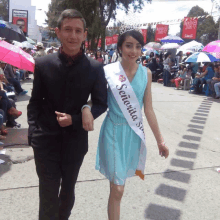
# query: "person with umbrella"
{"points": [[202, 79]]}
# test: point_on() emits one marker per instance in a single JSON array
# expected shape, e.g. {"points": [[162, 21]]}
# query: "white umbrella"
{"points": [[170, 46], [26, 44], [153, 45], [192, 45], [16, 43]]}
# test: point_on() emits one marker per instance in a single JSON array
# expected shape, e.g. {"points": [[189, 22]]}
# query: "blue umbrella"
{"points": [[172, 39], [201, 57]]}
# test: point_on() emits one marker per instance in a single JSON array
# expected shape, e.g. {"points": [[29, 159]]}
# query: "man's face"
{"points": [[71, 34], [21, 25]]}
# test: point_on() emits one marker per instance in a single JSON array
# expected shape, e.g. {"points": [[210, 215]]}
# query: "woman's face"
{"points": [[98, 54], [131, 49]]}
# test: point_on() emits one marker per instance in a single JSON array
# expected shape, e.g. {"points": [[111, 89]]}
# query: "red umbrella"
{"points": [[15, 56]]}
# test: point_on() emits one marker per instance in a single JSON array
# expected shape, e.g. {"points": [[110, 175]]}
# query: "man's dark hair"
{"points": [[70, 13], [133, 33]]}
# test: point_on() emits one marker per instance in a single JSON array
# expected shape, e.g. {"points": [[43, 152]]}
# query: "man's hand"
{"points": [[87, 119], [64, 119]]}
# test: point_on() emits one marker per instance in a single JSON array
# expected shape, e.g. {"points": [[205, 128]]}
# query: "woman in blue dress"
{"points": [[119, 146]]}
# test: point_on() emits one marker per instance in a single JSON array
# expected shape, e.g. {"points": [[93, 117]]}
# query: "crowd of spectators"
{"points": [[172, 70], [202, 77], [10, 88]]}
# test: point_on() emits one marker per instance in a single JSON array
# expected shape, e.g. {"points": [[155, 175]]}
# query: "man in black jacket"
{"points": [[62, 84]]}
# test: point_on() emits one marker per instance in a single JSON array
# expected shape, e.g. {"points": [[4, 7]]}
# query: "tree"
{"points": [[150, 34], [206, 29], [4, 10], [97, 13]]}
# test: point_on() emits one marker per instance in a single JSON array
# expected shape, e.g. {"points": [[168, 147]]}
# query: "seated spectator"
{"points": [[1, 124], [153, 65], [195, 67], [197, 75], [151, 57], [10, 76], [215, 79], [182, 74], [202, 79], [217, 90], [157, 56]]}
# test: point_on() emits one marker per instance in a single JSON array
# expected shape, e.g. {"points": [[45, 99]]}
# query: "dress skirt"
{"points": [[118, 149]]}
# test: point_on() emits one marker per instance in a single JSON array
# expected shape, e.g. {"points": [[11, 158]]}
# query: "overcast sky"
{"points": [[157, 11]]}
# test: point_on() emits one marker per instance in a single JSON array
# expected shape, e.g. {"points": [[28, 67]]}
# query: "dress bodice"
{"points": [[138, 84]]}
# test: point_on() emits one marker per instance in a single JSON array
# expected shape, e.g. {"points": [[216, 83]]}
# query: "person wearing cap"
{"points": [[40, 50]]}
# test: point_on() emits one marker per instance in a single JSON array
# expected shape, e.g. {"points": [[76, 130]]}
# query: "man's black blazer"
{"points": [[65, 88]]}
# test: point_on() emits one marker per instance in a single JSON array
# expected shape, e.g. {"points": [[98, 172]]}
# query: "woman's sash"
{"points": [[129, 105]]}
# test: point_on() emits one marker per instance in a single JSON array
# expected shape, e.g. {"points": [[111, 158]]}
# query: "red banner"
{"points": [[144, 33], [20, 18], [161, 31], [115, 39], [189, 28], [108, 41]]}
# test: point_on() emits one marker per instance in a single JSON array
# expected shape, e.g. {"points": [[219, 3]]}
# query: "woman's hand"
{"points": [[87, 119], [163, 150]]}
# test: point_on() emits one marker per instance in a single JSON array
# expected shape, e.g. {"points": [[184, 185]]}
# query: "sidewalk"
{"points": [[183, 187]]}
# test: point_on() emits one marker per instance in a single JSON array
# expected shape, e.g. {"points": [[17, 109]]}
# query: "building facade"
{"points": [[26, 12]]}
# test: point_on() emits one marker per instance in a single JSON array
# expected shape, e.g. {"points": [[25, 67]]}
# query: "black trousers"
{"points": [[16, 84], [57, 179]]}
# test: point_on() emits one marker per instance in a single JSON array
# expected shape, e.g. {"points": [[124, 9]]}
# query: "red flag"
{"points": [[189, 28], [115, 39], [144, 33], [108, 40], [161, 31]]}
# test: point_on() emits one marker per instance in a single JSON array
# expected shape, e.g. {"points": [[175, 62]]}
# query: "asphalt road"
{"points": [[183, 187]]}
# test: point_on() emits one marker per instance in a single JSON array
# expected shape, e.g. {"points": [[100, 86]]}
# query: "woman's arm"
{"points": [[151, 118], [1, 86], [203, 74]]}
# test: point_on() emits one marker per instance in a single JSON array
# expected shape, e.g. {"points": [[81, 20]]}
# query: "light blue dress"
{"points": [[118, 147]]}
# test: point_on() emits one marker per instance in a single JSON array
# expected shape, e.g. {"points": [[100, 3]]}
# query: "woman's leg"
{"points": [[116, 193], [177, 81], [217, 89]]}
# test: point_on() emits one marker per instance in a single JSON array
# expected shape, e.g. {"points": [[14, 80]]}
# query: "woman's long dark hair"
{"points": [[167, 54], [96, 55]]}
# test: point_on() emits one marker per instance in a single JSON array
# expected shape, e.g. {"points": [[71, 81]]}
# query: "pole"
{"points": [[8, 9], [219, 29]]}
